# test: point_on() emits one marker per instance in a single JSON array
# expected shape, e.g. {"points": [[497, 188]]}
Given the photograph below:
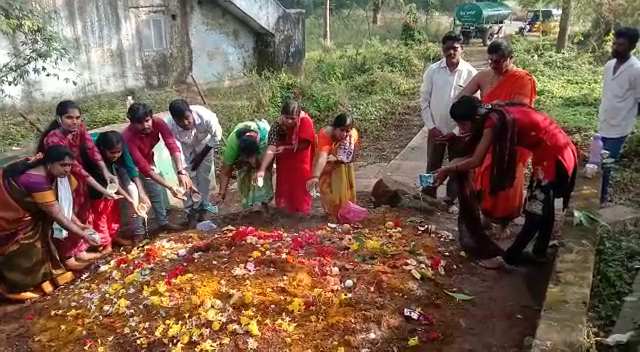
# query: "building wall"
{"points": [[124, 44], [223, 46]]}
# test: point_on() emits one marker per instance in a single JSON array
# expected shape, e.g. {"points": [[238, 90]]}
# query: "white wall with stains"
{"points": [[105, 38], [222, 45]]}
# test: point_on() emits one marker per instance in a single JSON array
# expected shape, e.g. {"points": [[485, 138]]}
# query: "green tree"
{"points": [[36, 48]]}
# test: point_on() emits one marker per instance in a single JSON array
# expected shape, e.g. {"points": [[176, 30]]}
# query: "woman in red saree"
{"points": [[29, 263], [292, 140], [68, 130]]}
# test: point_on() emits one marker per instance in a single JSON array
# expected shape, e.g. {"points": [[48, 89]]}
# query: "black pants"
{"points": [[539, 212], [435, 156]]}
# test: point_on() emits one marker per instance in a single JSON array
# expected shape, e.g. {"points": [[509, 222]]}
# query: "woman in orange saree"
{"points": [[29, 263], [515, 85], [333, 171]]}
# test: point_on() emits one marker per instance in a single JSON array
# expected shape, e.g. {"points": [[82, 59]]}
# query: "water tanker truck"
{"points": [[482, 19]]}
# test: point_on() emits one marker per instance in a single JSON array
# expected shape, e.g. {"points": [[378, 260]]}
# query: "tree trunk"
{"points": [[377, 7], [563, 31], [326, 34]]}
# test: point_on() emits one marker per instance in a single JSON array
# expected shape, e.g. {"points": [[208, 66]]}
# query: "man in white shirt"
{"points": [[441, 83], [620, 102], [198, 131]]}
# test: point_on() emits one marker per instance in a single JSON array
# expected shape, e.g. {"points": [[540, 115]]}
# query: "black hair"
{"points": [[109, 140], [452, 36], [465, 108], [630, 34], [138, 112], [247, 145], [53, 154], [500, 46], [503, 164], [178, 109], [290, 107], [342, 120], [62, 109]]}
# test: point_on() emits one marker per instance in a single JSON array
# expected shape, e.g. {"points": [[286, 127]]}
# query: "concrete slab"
{"points": [[563, 321], [630, 313]]}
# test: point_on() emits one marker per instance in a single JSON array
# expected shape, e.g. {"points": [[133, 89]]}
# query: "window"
{"points": [[153, 33]]}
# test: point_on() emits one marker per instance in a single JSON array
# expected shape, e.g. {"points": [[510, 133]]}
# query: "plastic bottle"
{"points": [[595, 150]]}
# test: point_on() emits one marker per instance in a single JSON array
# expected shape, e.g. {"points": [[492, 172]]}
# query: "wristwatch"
{"points": [[182, 172]]}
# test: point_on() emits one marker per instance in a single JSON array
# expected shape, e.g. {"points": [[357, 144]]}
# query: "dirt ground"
{"points": [[501, 316]]}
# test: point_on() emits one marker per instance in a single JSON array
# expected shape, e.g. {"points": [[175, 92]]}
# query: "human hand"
{"points": [[144, 199], [258, 176], [312, 183], [185, 182], [281, 149], [332, 159], [445, 137], [435, 133], [91, 237], [112, 179], [441, 175], [113, 196], [177, 192]]}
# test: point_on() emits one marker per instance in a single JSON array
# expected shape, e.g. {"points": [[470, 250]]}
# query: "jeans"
{"points": [[613, 146], [201, 179], [154, 192]]}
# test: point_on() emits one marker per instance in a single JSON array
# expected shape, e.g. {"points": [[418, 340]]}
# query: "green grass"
{"points": [[617, 254]]}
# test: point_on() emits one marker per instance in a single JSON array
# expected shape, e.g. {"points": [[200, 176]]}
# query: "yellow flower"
{"points": [[355, 246], [146, 291], [114, 288], [212, 314], [129, 279], [414, 341], [184, 339], [340, 349], [373, 245], [159, 331], [206, 346], [226, 341], [253, 328], [122, 305], [174, 330], [162, 287], [155, 300], [178, 348], [256, 254], [216, 325], [248, 297], [296, 306], [244, 320], [142, 341]]}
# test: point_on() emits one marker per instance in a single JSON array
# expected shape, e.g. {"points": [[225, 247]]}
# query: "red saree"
{"points": [[294, 168], [516, 86]]}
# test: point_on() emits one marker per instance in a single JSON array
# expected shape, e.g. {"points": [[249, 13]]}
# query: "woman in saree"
{"points": [[292, 140], [69, 131], [501, 129], [333, 171], [29, 263], [245, 147]]}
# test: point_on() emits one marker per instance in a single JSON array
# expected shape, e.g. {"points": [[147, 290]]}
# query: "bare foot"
{"points": [[493, 263], [22, 296], [107, 250], [74, 265], [88, 256], [503, 233], [123, 242]]}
